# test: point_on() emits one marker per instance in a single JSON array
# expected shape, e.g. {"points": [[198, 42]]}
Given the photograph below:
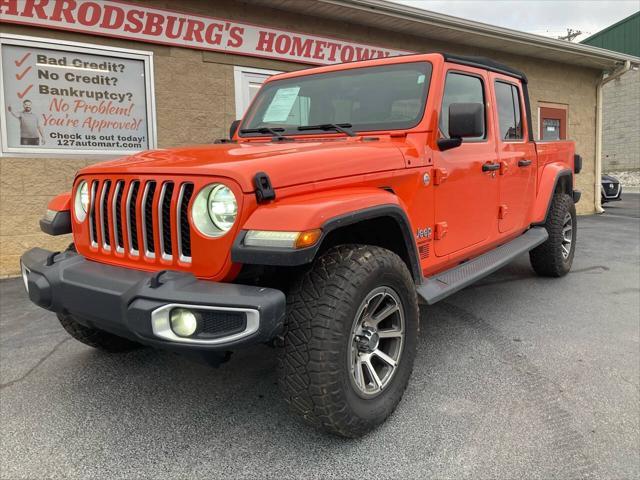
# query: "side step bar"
{"points": [[433, 289]]}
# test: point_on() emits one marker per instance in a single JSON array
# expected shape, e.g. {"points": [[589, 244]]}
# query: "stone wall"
{"points": [[621, 123], [195, 103]]}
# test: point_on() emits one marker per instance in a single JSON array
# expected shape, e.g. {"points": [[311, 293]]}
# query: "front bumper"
{"points": [[134, 304]]}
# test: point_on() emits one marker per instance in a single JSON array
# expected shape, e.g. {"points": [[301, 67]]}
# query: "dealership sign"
{"points": [[131, 21], [61, 97]]}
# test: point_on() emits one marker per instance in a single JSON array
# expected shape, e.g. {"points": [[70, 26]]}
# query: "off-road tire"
{"points": [[95, 338], [313, 367], [547, 259]]}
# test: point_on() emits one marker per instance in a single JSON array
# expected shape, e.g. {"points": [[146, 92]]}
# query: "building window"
{"points": [[247, 83], [460, 88], [509, 113], [553, 122]]}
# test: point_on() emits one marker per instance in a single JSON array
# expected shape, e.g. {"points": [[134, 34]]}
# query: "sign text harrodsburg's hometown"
{"points": [[119, 19]]}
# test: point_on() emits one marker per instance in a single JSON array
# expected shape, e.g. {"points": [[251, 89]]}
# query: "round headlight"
{"points": [[81, 201], [223, 207], [214, 210]]}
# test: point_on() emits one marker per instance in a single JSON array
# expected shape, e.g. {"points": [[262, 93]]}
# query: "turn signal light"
{"points": [[277, 239], [308, 238]]}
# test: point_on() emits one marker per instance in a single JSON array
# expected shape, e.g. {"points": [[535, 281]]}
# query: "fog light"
{"points": [[25, 276], [184, 323]]}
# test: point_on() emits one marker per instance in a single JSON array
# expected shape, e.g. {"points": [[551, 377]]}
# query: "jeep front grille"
{"points": [[117, 216], [148, 239], [141, 218], [184, 239], [132, 218], [104, 215], [164, 220]]}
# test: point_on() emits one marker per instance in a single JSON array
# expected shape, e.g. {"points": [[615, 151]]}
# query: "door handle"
{"points": [[489, 167], [524, 163]]}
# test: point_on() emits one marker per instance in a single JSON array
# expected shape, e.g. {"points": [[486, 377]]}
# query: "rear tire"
{"points": [[95, 338], [338, 329], [555, 256]]}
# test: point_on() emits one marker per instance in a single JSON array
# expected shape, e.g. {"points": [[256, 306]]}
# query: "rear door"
{"points": [[517, 156], [465, 193]]}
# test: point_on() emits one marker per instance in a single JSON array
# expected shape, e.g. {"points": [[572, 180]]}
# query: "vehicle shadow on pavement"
{"points": [[480, 373], [162, 392]]}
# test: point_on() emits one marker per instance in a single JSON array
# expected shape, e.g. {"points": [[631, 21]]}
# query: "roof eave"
{"points": [[427, 17]]}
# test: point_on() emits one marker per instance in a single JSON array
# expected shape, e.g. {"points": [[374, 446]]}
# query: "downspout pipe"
{"points": [[601, 83]]}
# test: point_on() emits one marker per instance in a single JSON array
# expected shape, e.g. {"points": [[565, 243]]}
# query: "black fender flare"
{"points": [[59, 223], [290, 258], [561, 174]]}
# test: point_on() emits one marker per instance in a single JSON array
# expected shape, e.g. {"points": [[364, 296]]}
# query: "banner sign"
{"points": [[113, 18], [63, 98]]}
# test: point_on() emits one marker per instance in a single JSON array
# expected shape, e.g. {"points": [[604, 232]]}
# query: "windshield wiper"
{"points": [[338, 127], [274, 132]]}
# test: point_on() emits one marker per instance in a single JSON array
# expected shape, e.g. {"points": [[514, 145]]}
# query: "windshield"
{"points": [[388, 97]]}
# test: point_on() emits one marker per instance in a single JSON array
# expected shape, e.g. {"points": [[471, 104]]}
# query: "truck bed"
{"points": [[555, 151]]}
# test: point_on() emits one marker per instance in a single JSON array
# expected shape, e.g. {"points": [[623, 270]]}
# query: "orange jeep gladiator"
{"points": [[346, 195]]}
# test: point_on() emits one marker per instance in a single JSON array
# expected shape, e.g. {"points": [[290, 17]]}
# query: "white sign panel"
{"points": [[66, 98], [169, 27], [281, 105]]}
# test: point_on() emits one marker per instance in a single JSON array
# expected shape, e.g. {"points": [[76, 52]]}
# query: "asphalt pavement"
{"points": [[515, 377]]}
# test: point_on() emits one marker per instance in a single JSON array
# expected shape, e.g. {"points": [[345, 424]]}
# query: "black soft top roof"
{"points": [[487, 64]]}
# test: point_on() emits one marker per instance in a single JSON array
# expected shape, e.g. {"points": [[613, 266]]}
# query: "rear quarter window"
{"points": [[509, 114]]}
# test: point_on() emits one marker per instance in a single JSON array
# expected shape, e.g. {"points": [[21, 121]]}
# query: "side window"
{"points": [[509, 115], [460, 88]]}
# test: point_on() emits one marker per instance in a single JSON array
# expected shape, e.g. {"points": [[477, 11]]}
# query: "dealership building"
{"points": [[621, 98], [84, 81]]}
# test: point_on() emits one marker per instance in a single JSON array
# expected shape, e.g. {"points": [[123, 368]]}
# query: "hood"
{"points": [[609, 179], [286, 163]]}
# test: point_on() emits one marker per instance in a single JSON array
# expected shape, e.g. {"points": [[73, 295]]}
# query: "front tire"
{"points": [[350, 339], [555, 256], [95, 338]]}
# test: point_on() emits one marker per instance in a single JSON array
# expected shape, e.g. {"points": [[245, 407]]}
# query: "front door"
{"points": [[516, 154], [466, 195]]}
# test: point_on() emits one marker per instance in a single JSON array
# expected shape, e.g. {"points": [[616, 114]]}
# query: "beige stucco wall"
{"points": [[195, 103]]}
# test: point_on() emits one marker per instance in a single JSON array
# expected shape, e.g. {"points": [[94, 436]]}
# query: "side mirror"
{"points": [[448, 143], [465, 120], [233, 128]]}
